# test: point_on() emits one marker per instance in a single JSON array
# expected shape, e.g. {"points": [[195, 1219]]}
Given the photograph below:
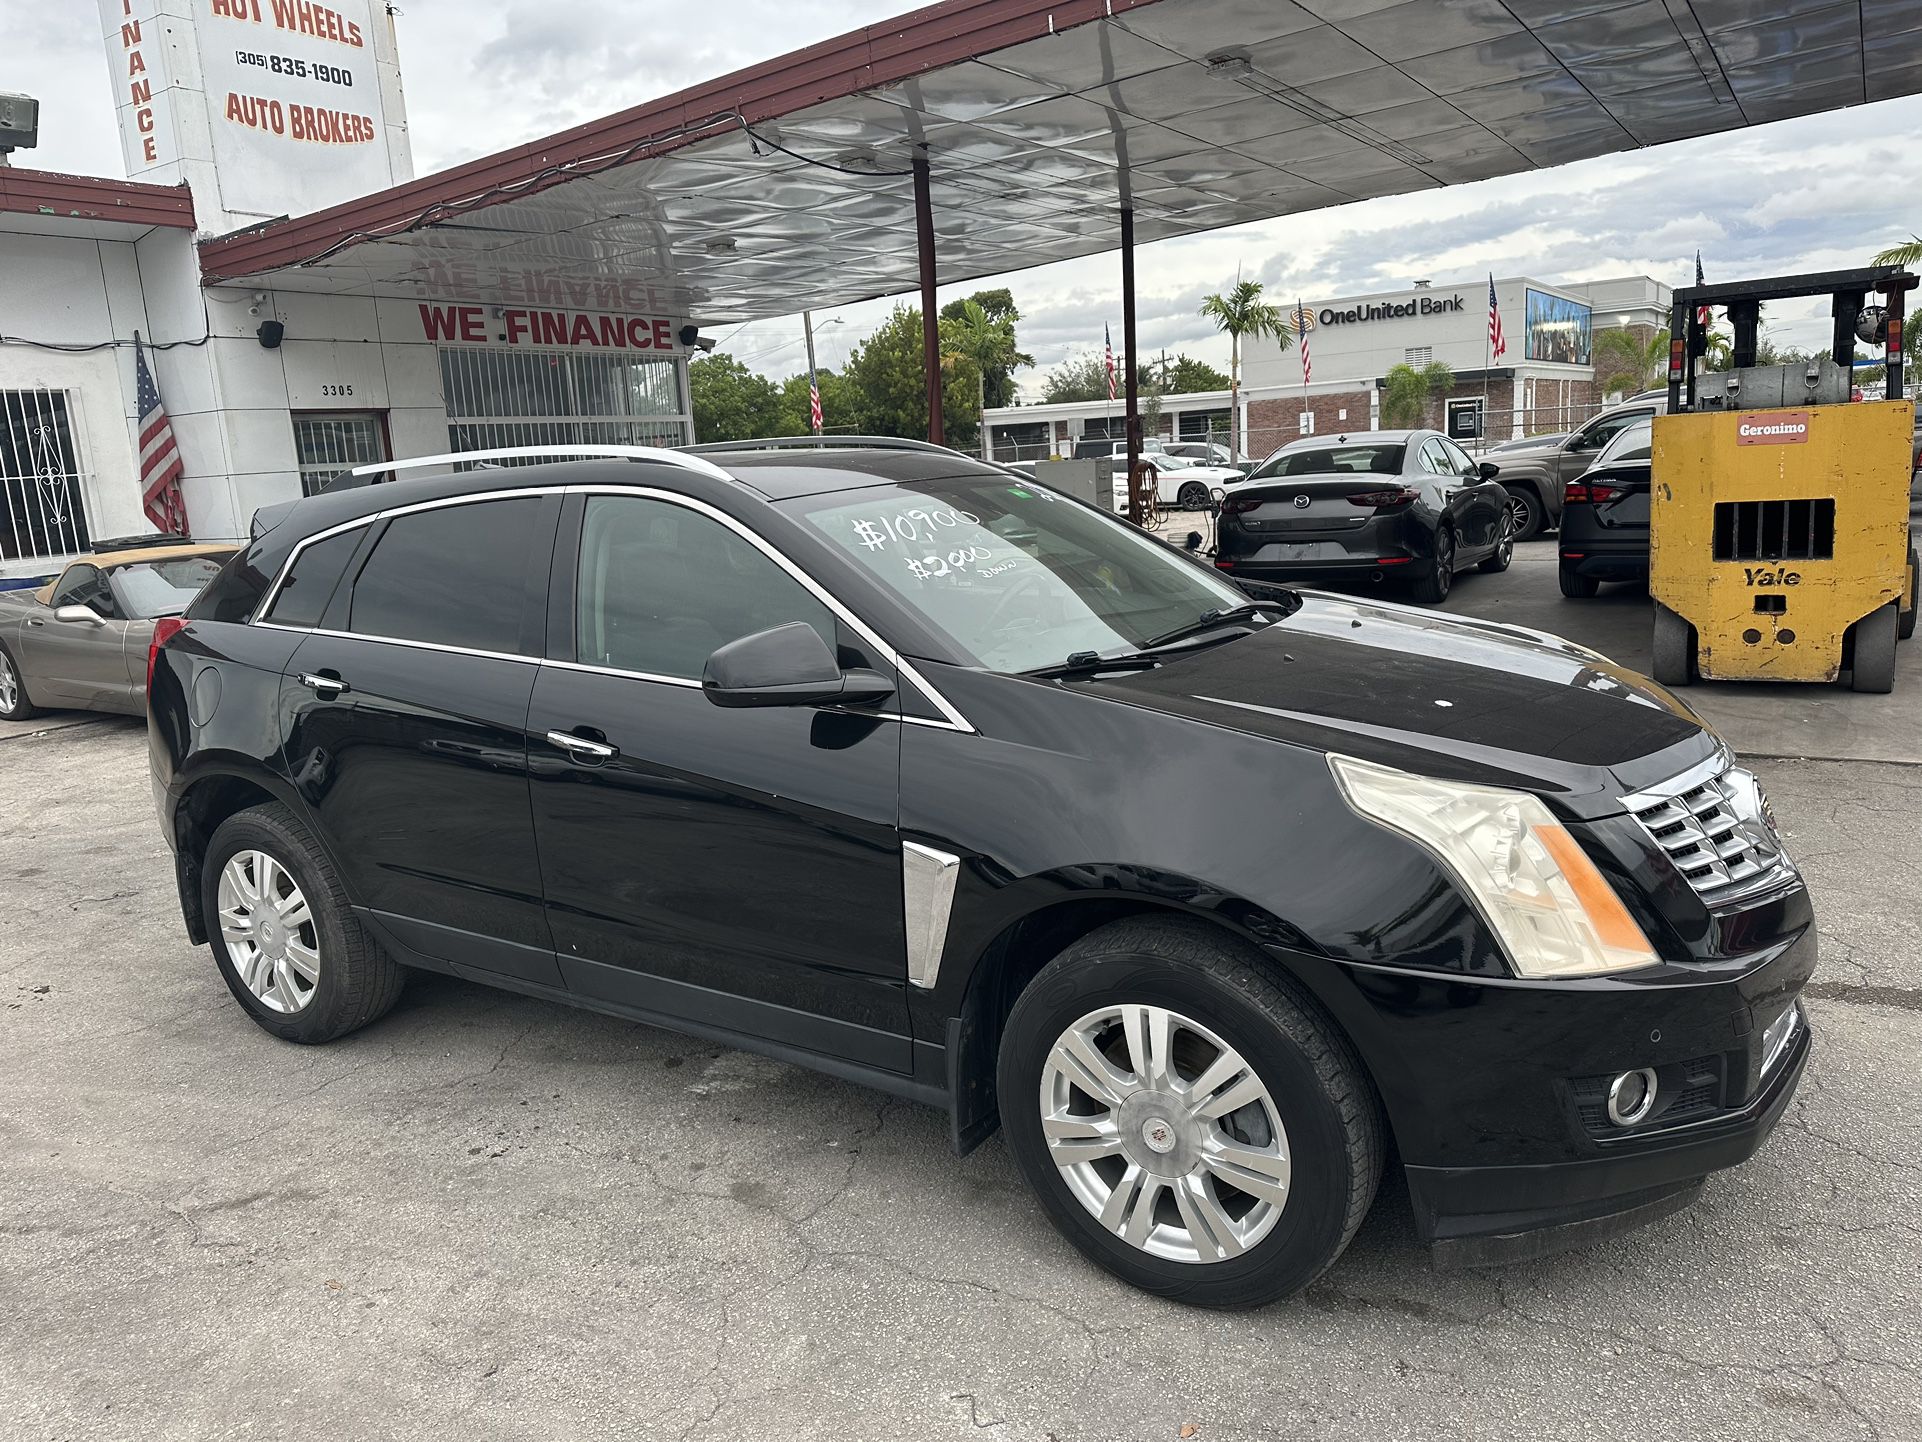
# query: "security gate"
{"points": [[43, 490]]}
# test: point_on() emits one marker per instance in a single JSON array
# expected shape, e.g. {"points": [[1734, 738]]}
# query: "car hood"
{"points": [[1437, 694]]}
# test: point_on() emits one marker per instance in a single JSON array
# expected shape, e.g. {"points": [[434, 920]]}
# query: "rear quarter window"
{"points": [[303, 596]]}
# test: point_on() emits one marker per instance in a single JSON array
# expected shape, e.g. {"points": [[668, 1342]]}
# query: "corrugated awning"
{"points": [[784, 186]]}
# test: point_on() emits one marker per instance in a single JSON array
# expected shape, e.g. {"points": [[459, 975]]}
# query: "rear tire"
{"points": [[1432, 588], [1674, 648], [1875, 637], [1309, 1119], [273, 921], [1906, 627], [1530, 516], [1575, 585], [15, 704]]}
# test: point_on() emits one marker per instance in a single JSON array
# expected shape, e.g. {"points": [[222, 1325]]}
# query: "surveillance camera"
{"points": [[705, 342]]}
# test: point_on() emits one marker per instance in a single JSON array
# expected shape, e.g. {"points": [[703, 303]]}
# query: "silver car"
{"points": [[80, 641]]}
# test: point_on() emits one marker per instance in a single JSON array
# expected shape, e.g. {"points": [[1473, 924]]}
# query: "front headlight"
{"points": [[1554, 913]]}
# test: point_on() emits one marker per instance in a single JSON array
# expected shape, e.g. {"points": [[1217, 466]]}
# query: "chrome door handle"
{"points": [[325, 687], [35, 621], [581, 747]]}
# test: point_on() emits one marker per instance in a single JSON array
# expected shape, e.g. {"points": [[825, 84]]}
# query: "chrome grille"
{"points": [[1714, 823]]}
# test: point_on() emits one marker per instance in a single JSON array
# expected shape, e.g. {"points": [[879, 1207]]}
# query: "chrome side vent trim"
{"points": [[927, 895]]}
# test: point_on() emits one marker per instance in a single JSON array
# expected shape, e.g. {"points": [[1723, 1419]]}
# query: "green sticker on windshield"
{"points": [[1017, 491]]}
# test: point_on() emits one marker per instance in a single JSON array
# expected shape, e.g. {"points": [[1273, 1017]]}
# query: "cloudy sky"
{"points": [[1810, 194]]}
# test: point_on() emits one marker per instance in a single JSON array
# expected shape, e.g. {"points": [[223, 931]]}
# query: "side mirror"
{"points": [[787, 665], [1488, 470], [83, 615]]}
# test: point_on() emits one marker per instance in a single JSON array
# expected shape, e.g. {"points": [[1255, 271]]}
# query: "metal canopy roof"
{"points": [[1041, 118]]}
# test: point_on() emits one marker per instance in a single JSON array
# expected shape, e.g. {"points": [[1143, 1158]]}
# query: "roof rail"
{"points": [[808, 443], [380, 470]]}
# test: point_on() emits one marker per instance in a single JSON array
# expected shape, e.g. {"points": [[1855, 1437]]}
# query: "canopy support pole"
{"points": [[930, 319], [1130, 367]]}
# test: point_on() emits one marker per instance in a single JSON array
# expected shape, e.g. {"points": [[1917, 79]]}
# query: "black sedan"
{"points": [[891, 764], [1604, 535], [1406, 506]]}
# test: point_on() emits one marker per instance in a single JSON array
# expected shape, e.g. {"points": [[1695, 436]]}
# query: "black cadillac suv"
{"points": [[886, 762]]}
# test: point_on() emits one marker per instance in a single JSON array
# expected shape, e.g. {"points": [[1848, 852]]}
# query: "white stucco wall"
{"points": [[75, 290]]}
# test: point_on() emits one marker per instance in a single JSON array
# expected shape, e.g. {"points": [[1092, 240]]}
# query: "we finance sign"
{"points": [[547, 329]]}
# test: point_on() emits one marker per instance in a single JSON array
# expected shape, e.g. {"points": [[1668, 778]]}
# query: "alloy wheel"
{"points": [[1444, 563], [1164, 1133], [1505, 539], [270, 932], [9, 684]]}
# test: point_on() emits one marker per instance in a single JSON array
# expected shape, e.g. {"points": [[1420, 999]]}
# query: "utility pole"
{"points": [[814, 414]]}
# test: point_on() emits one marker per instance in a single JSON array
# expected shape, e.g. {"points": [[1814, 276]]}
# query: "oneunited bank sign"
{"points": [[1421, 305]]}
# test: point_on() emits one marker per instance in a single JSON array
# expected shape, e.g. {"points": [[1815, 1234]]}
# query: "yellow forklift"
{"points": [[1779, 545]]}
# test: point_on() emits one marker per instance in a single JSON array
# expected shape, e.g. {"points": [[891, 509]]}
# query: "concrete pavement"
{"points": [[487, 1216]]}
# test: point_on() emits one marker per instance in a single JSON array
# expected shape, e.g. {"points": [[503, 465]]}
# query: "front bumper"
{"points": [[1481, 1216]]}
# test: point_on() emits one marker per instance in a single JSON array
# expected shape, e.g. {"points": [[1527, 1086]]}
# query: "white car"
{"points": [[1180, 484]]}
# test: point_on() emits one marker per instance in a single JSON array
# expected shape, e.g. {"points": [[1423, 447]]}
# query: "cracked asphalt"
{"points": [[489, 1216]]}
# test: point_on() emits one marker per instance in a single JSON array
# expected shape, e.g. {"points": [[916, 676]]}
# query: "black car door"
{"points": [[740, 869], [404, 713], [1482, 502]]}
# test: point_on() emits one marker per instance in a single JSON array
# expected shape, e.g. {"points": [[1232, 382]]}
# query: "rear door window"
{"points": [[451, 576]]}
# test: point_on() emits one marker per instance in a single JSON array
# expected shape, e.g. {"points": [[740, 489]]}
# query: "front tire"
{"points": [[1193, 496], [1674, 648], [15, 704], [1504, 553], [1529, 514], [1432, 587], [1188, 1118], [283, 936]]}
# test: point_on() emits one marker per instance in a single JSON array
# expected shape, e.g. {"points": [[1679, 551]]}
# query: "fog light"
{"points": [[1631, 1097]]}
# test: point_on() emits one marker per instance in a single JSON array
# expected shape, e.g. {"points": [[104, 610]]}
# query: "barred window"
{"points": [[43, 491]]}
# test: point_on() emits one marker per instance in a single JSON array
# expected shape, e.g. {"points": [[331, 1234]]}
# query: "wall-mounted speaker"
{"points": [[690, 335], [270, 333]]}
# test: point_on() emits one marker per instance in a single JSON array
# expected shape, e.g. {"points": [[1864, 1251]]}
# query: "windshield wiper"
{"points": [[1221, 616]]}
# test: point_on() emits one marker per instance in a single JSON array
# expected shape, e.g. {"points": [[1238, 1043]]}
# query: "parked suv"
{"points": [[1537, 474], [888, 763]]}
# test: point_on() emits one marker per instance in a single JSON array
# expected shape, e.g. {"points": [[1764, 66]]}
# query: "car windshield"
{"points": [[1018, 576], [1378, 458], [161, 588], [1630, 443]]}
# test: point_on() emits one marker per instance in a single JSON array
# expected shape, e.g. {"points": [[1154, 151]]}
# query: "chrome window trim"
{"points": [[954, 720], [403, 641], [927, 901]]}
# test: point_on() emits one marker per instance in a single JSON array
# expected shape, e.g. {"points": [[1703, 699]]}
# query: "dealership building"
{"points": [[1545, 381], [303, 302], [235, 114]]}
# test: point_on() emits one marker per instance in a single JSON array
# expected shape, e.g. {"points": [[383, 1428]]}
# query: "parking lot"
{"points": [[491, 1216]]}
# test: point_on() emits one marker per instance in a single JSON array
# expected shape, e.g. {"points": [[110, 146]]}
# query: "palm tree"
{"points": [[988, 345], [1405, 392], [1242, 312], [1626, 362], [1903, 255]]}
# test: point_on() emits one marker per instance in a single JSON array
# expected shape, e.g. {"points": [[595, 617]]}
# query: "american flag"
{"points": [[1497, 347], [1108, 340], [814, 403], [160, 464], [1703, 315], [1301, 329]]}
